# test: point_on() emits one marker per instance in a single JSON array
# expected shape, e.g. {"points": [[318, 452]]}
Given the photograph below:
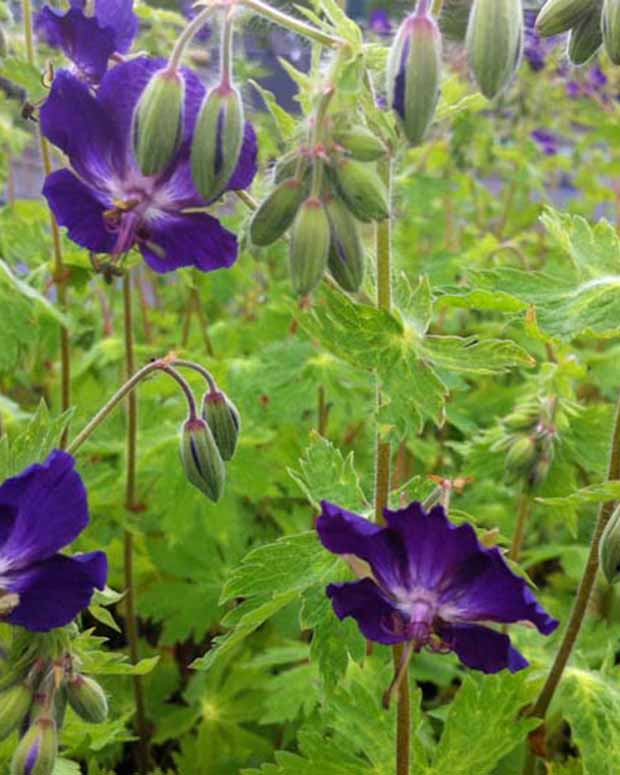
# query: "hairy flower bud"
{"points": [[346, 253], [609, 548], [277, 212], [217, 142], [309, 246], [494, 43], [87, 699], [520, 457], [414, 74], [610, 25], [557, 16], [14, 705], [585, 39], [37, 750], [361, 143], [223, 419], [202, 462], [361, 189], [158, 121]]}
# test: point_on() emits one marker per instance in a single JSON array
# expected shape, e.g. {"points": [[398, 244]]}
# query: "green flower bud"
{"points": [[224, 421], [609, 548], [346, 253], [557, 16], [494, 43], [361, 189], [87, 699], [520, 457], [37, 750], [585, 39], [309, 246], [611, 29], [14, 705], [202, 462], [277, 212], [361, 143], [158, 121], [3, 43], [540, 470], [414, 74], [218, 139]]}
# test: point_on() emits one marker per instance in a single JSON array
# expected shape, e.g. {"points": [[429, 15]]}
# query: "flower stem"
{"points": [[437, 5], [322, 411], [540, 707], [186, 36], [131, 505], [204, 323], [291, 23], [59, 273], [523, 512], [226, 51]]}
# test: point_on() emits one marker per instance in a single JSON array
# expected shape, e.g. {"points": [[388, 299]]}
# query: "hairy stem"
{"points": [[226, 51], [59, 273], [523, 512], [204, 323], [322, 411], [186, 36], [291, 23], [540, 707]]}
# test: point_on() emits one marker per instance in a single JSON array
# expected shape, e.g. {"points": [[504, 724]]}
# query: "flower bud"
{"points": [[414, 74], [557, 16], [346, 254], [609, 548], [3, 43], [361, 189], [286, 167], [540, 470], [309, 246], [223, 419], [611, 29], [218, 139], [87, 699], [361, 143], [201, 459], [277, 212], [520, 456], [158, 121], [585, 39], [36, 751], [14, 705], [494, 43]]}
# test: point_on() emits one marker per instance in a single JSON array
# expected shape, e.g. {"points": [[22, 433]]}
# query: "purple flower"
{"points": [[105, 202], [535, 48], [547, 141], [380, 22], [431, 583], [89, 40], [42, 510]]}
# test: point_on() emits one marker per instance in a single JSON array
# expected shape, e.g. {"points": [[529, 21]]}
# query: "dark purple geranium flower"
{"points": [[430, 584], [42, 510], [105, 202], [546, 141], [89, 39]]}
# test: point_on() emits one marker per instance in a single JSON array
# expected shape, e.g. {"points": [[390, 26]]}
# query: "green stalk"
{"points": [[291, 23]]}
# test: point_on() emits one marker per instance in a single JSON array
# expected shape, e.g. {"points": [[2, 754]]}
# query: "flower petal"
{"points": [[247, 165], [52, 593], [82, 38], [483, 649], [373, 612], [77, 206], [73, 120], [118, 15], [191, 239], [342, 532], [49, 507]]}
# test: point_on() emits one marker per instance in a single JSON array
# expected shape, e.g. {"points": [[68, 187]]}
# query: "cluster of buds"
{"points": [[530, 442], [324, 216], [208, 442], [35, 703], [591, 23]]}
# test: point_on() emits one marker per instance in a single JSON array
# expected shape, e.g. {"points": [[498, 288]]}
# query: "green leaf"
{"points": [[595, 493], [285, 124], [472, 356], [25, 75], [28, 292]]}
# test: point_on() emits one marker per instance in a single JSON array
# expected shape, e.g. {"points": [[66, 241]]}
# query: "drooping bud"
{"points": [[309, 247], [277, 212], [218, 139], [37, 750], [361, 143], [585, 39], [346, 253], [557, 16], [14, 705], [494, 43], [414, 73], [520, 457], [158, 121], [361, 189], [87, 699], [223, 419], [202, 462], [609, 548], [611, 29]]}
